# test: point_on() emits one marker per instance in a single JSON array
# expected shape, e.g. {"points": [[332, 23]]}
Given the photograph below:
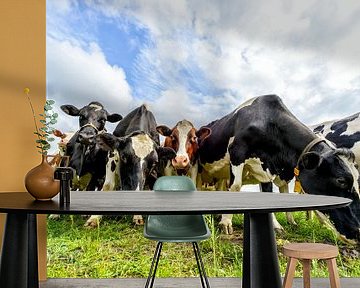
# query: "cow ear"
{"points": [[165, 153], [203, 133], [311, 160], [164, 130], [114, 117], [122, 142], [107, 141], [58, 133], [70, 110]]}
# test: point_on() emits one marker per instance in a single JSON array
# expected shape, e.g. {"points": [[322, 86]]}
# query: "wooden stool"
{"points": [[305, 252]]}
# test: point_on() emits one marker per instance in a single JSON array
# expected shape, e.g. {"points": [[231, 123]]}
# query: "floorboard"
{"points": [[179, 283]]}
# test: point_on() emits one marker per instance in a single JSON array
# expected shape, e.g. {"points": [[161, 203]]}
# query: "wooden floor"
{"points": [[179, 283]]}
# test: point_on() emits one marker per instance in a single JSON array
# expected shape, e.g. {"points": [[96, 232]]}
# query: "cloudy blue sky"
{"points": [[200, 59]]}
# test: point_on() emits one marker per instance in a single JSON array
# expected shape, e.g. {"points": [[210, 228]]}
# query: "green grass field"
{"points": [[117, 249]]}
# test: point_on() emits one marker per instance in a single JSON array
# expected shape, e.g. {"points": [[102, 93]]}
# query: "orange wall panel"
{"points": [[23, 64]]}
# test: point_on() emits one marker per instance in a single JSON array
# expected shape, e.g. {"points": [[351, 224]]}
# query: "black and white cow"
{"points": [[262, 142], [140, 119], [86, 157], [136, 143], [344, 133], [139, 157]]}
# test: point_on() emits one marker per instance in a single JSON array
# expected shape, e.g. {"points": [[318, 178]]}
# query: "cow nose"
{"points": [[180, 162], [86, 138]]}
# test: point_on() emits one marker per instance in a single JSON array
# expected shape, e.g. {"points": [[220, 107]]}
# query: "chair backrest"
{"points": [[176, 228], [174, 183]]}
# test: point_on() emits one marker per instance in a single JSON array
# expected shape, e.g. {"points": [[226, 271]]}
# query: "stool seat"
{"points": [[310, 250], [305, 252]]}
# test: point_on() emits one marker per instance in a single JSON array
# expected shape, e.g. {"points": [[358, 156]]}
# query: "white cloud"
{"points": [[172, 106], [152, 14], [62, 6], [304, 51], [77, 76]]}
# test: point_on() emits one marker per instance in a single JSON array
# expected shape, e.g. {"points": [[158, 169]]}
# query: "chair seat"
{"points": [[305, 253], [310, 251], [176, 228]]}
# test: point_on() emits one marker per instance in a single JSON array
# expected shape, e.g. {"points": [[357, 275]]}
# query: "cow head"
{"points": [[334, 173], [64, 140], [92, 119], [184, 139], [139, 156]]}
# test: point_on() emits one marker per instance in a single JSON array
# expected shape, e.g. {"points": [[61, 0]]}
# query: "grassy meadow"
{"points": [[117, 249]]}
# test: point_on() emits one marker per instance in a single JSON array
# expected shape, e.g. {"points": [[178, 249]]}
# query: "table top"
{"points": [[169, 202]]}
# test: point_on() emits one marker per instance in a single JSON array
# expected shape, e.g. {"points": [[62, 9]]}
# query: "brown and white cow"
{"points": [[60, 154], [183, 138]]}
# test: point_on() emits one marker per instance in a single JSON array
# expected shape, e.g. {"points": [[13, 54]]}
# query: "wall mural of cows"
{"points": [[259, 142], [86, 157], [262, 142], [136, 143], [344, 133]]}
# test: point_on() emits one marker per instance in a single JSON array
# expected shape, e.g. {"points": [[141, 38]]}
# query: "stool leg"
{"points": [[290, 272], [306, 272], [333, 273]]}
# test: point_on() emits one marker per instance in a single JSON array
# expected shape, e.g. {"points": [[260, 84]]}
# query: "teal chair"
{"points": [[176, 228]]}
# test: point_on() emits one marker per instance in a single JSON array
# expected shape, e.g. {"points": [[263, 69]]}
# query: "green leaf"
{"points": [[50, 102], [46, 147], [47, 107], [53, 121], [43, 121], [55, 115], [51, 139]]}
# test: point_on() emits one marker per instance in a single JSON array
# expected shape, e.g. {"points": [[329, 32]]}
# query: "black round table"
{"points": [[260, 262]]}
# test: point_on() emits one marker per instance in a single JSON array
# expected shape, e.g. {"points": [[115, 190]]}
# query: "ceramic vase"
{"points": [[40, 182]]}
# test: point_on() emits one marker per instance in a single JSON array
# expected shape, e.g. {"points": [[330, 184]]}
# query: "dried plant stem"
{"points": [[34, 117]]}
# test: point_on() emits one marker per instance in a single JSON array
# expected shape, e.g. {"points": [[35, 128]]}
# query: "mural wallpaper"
{"points": [[199, 60]]}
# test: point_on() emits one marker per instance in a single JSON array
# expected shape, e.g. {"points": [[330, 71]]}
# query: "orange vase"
{"points": [[40, 182]]}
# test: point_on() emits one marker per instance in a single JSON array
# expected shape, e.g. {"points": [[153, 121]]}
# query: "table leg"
{"points": [[33, 269], [19, 262], [260, 260]]}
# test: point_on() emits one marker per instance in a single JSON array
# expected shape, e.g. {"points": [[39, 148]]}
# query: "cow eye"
{"points": [[123, 158], [341, 181]]}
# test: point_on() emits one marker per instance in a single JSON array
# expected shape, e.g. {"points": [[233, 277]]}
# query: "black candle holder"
{"points": [[65, 175]]}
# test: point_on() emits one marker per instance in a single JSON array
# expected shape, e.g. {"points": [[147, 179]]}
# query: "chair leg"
{"points": [[200, 264], [154, 264], [306, 272], [333, 273], [289, 274]]}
